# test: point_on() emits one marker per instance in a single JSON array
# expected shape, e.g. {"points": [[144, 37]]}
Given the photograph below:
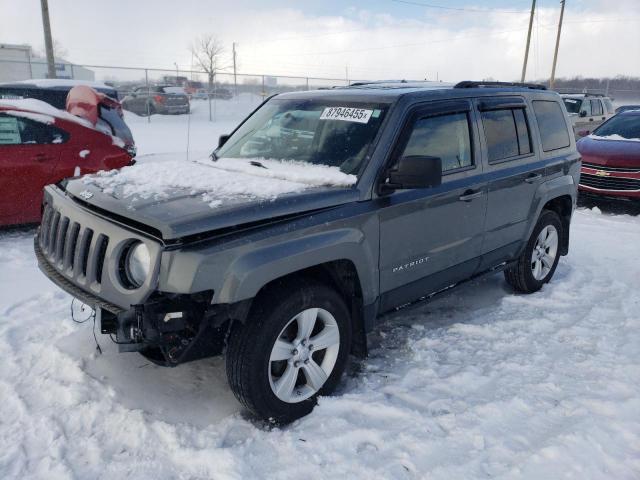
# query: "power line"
{"points": [[427, 43], [457, 9]]}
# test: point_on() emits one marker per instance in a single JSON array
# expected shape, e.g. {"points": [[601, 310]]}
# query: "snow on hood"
{"points": [[218, 182], [44, 111], [615, 136]]}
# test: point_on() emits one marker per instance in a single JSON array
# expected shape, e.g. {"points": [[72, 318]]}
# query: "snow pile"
{"points": [[215, 182], [60, 82], [482, 383], [44, 110], [614, 136]]}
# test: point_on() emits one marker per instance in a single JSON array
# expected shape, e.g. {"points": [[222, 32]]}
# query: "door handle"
{"points": [[41, 157], [533, 178], [469, 195], [604, 118], [591, 119]]}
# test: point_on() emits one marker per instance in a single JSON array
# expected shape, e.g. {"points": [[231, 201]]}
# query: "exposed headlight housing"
{"points": [[137, 264]]}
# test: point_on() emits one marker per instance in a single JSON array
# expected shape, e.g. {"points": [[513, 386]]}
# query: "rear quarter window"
{"points": [[551, 124], [608, 105]]}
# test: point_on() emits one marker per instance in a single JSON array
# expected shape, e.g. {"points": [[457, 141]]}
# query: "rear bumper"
{"points": [[173, 109]]}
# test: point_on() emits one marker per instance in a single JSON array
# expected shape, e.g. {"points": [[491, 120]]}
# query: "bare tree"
{"points": [[59, 51], [207, 51]]}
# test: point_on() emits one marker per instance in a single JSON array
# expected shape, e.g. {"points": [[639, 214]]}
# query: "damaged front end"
{"points": [[169, 329]]}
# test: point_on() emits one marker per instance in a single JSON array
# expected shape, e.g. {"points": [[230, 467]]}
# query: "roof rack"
{"points": [[373, 82], [586, 94], [475, 84]]}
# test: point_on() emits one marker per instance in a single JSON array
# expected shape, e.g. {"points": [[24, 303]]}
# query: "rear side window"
{"points": [[507, 133], [445, 136], [9, 130], [19, 130], [608, 105], [596, 107], [552, 125]]}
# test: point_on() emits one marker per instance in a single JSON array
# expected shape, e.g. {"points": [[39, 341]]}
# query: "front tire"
{"points": [[293, 347], [537, 263]]}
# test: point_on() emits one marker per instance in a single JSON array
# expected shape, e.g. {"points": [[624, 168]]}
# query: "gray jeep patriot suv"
{"points": [[444, 183]]}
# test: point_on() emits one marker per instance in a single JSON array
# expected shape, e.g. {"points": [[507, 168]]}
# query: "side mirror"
{"points": [[223, 139], [583, 113], [415, 171], [583, 133]]}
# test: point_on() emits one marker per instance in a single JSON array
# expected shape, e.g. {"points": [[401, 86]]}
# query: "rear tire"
{"points": [[537, 263], [273, 367]]}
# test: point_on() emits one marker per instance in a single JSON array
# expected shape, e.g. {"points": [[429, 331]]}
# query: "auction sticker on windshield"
{"points": [[348, 114]]}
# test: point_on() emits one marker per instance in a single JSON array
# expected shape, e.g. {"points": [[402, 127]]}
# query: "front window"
{"points": [[318, 132], [626, 126]]}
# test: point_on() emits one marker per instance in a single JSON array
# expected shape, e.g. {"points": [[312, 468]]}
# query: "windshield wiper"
{"points": [[257, 164]]}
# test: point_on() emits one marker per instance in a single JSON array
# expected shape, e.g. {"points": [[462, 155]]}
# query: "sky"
{"points": [[375, 39]]}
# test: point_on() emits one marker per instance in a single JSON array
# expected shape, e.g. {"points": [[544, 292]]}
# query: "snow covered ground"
{"points": [[480, 383]]}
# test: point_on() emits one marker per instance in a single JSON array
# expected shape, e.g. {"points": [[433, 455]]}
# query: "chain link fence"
{"points": [[219, 90], [248, 89]]}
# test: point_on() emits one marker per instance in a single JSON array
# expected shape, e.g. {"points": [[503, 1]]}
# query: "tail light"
{"points": [[159, 98]]}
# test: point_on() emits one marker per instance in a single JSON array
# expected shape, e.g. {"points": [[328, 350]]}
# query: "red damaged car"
{"points": [[611, 158], [40, 144]]}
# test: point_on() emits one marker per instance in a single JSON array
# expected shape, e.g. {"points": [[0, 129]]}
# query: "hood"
{"points": [[612, 153], [193, 198]]}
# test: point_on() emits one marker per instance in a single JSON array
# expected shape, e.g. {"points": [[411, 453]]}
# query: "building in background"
{"points": [[18, 62]]}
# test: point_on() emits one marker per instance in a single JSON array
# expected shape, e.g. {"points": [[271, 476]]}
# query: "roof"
{"points": [[56, 83], [388, 91]]}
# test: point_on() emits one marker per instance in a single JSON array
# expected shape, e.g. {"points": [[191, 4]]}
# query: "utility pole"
{"points": [[48, 41], [552, 81], [235, 73], [526, 50], [177, 73]]}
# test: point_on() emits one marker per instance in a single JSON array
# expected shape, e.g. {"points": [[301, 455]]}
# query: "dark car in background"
{"points": [[162, 99], [55, 93], [611, 158]]}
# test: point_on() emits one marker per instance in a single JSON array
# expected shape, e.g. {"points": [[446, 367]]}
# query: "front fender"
{"points": [[248, 273]]}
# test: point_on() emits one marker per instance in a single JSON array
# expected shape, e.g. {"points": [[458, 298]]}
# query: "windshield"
{"points": [[572, 104], [178, 90], [627, 126], [117, 125], [335, 134]]}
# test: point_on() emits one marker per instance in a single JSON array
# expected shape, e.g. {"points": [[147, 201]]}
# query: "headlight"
{"points": [[137, 264]]}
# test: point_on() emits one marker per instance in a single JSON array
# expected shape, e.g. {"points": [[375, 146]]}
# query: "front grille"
{"points": [[609, 183], [69, 287], [611, 169], [73, 250]]}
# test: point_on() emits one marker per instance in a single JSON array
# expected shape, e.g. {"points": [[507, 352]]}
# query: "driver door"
{"points": [[431, 238]]}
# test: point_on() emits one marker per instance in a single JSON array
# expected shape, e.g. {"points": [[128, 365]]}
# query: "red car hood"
{"points": [[611, 153]]}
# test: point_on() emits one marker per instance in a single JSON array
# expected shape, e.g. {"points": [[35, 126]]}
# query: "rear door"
{"points": [[585, 118], [431, 237], [514, 174], [29, 153]]}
